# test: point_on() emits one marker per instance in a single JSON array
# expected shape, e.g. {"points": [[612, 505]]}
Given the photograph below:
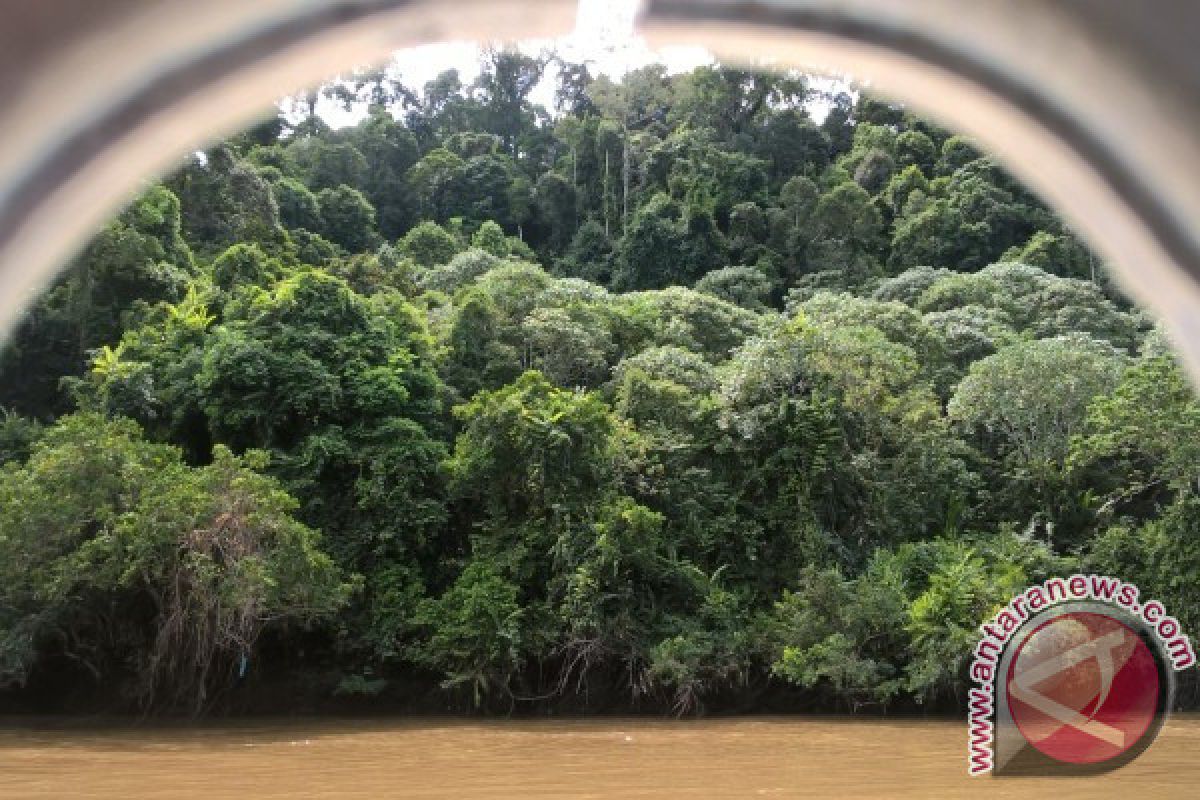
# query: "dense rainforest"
{"points": [[669, 397]]}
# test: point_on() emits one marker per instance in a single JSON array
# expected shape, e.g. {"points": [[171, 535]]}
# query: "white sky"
{"points": [[603, 36]]}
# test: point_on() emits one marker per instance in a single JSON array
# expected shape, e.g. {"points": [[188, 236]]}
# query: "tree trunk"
{"points": [[607, 194], [625, 175]]}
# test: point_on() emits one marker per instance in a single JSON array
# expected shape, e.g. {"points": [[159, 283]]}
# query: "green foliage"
{"points": [[589, 255], [479, 353], [844, 225], [298, 207], [475, 632], [339, 387], [461, 270], [312, 249], [675, 364], [914, 149], [842, 634], [743, 286], [1027, 299], [1025, 404], [964, 582], [117, 555], [1058, 254], [908, 622], [429, 244], [970, 333], [1160, 556], [327, 164], [957, 151], [682, 317], [17, 435], [716, 651], [530, 450], [655, 251], [435, 180], [347, 218], [490, 238], [1146, 431], [137, 260], [1033, 397], [907, 185], [910, 285], [638, 476], [968, 223], [564, 349], [390, 150], [245, 265], [226, 201]]}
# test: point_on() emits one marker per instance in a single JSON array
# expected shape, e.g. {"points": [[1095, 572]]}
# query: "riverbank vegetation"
{"points": [[667, 398]]}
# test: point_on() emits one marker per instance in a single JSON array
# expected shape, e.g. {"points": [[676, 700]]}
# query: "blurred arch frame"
{"points": [[1094, 104]]}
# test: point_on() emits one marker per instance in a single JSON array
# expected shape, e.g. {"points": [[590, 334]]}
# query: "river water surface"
{"points": [[769, 757]]}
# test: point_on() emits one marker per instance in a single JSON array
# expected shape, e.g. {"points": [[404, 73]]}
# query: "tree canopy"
{"points": [[667, 397]]}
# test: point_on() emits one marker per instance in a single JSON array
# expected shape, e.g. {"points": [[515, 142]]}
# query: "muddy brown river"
{"points": [[755, 757]]}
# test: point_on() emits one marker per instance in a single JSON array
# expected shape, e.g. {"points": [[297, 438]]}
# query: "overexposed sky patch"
{"points": [[603, 37]]}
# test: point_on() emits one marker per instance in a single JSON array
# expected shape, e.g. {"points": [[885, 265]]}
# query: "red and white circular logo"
{"points": [[1084, 688]]}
